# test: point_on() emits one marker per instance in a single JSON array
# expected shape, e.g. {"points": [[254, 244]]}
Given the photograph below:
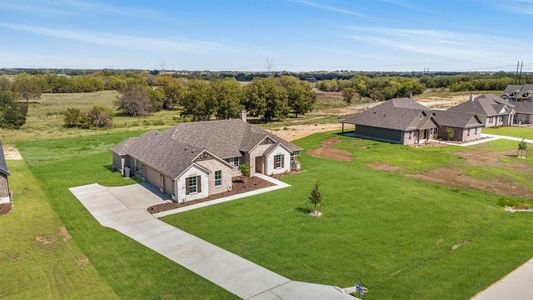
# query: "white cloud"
{"points": [[329, 8], [519, 7], [169, 44], [475, 49]]}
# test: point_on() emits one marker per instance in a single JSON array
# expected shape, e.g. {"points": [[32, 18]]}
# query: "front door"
{"points": [[259, 164]]}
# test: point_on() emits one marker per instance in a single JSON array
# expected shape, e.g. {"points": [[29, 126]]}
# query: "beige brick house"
{"points": [[194, 160]]}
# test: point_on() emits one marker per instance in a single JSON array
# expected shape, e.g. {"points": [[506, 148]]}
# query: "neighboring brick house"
{"points": [[492, 110], [518, 92], [194, 160], [399, 120], [5, 194], [464, 127], [524, 112]]}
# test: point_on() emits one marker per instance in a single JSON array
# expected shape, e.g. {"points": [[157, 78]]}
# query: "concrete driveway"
{"points": [[124, 209]]}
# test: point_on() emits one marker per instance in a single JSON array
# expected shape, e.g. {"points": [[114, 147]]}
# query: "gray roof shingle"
{"points": [[457, 119], [524, 108], [398, 113], [484, 105]]}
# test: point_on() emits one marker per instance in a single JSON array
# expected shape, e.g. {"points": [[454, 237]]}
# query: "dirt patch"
{"points": [[63, 233], [83, 261], [5, 208], [295, 132], [382, 167], [11, 153], [45, 240], [328, 150], [239, 186], [492, 158], [456, 178]]}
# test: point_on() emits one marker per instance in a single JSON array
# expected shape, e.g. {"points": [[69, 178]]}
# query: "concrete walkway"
{"points": [[517, 285], [504, 137], [124, 209], [277, 185]]}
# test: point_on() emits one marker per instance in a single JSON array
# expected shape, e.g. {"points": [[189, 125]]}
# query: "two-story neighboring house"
{"points": [[492, 110], [518, 93], [194, 160]]}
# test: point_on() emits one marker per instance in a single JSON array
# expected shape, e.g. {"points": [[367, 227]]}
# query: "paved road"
{"points": [[517, 285], [124, 209]]}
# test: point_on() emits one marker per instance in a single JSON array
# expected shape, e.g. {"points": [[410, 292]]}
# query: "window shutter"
{"points": [[282, 161], [187, 186], [199, 184]]}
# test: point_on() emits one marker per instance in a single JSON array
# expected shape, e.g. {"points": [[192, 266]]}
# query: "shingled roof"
{"points": [[3, 166], [182, 143], [457, 119], [524, 108], [487, 105], [518, 90], [398, 113]]}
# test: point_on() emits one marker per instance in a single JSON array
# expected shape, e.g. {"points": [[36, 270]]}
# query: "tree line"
{"points": [[265, 98]]}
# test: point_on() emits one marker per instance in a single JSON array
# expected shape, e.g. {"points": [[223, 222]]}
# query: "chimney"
{"points": [[242, 116], [471, 97]]}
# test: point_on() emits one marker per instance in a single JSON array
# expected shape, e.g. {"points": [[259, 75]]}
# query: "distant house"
{"points": [[197, 159], [518, 92], [5, 194], [399, 120], [492, 110], [524, 112], [463, 127]]}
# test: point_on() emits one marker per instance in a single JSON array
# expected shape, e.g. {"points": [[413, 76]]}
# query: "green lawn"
{"points": [[130, 269], [519, 132], [402, 238], [38, 260]]}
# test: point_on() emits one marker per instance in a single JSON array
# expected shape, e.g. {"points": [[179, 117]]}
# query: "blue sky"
{"points": [[296, 35]]}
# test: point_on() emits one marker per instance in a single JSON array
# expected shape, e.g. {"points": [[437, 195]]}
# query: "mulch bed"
{"points": [[239, 187], [5, 208]]}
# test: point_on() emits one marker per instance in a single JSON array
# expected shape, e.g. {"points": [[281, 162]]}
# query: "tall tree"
{"points": [[5, 84], [266, 97], [227, 94], [134, 101], [12, 113], [173, 89], [27, 87], [348, 95], [300, 94], [197, 102]]}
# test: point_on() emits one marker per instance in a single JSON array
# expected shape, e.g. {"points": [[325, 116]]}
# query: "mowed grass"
{"points": [[38, 259], [402, 238], [519, 132], [130, 269]]}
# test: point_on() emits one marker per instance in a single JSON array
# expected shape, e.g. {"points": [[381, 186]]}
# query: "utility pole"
{"points": [[516, 74], [520, 76]]}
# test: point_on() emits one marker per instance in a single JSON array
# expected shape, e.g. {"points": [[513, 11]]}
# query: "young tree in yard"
{"points": [[265, 97], [27, 87], [450, 132], [522, 149], [134, 101], [300, 95], [12, 113], [315, 197], [100, 116], [227, 94], [72, 117], [197, 102], [348, 95]]}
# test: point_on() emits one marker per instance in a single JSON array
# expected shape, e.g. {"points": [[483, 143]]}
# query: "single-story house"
{"points": [[522, 92], [399, 120], [5, 194], [194, 160], [458, 126], [492, 110], [524, 112]]}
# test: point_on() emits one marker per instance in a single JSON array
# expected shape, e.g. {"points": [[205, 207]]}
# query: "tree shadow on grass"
{"points": [[302, 209]]}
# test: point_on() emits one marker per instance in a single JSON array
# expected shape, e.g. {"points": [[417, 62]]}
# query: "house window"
{"points": [[218, 178], [476, 131], [234, 161], [278, 161], [468, 132], [192, 185], [410, 134]]}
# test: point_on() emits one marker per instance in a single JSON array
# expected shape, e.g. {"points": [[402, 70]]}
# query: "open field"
{"points": [[402, 238], [38, 257], [131, 270]]}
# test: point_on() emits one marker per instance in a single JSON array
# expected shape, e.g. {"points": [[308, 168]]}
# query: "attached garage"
{"points": [[152, 176]]}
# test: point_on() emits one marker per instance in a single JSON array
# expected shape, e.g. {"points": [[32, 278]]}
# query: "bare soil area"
{"points": [[328, 150], [11, 153], [492, 158], [295, 132], [382, 167], [5, 208], [240, 185], [455, 177]]}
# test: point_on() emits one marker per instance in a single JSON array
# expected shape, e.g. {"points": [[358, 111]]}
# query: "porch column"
{"points": [[342, 127], [122, 163]]}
